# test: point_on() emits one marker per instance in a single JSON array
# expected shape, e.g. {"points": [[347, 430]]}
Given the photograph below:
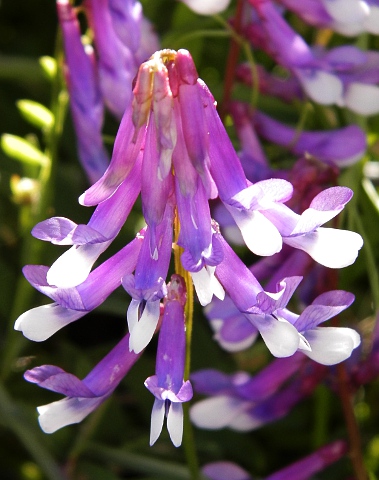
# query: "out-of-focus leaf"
{"points": [[20, 149], [36, 113], [17, 422], [139, 463], [49, 66]]}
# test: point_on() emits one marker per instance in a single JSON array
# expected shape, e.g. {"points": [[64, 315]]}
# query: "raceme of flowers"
{"points": [[172, 150]]}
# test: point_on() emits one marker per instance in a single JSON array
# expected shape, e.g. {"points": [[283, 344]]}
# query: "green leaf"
{"points": [[22, 150], [36, 113]]}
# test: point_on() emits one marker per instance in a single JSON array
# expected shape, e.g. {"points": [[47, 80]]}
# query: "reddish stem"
{"points": [[232, 60]]}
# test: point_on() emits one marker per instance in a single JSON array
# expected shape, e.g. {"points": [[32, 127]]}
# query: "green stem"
{"points": [[188, 435]]}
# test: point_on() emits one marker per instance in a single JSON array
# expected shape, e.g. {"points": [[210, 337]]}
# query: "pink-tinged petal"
{"points": [[225, 471], [126, 148], [67, 411], [259, 234], [331, 345], [362, 98], [329, 247], [73, 267], [322, 87], [40, 323], [208, 7], [175, 423], [157, 418]]}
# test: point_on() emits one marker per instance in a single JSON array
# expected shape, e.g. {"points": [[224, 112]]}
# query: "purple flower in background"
{"points": [[167, 385], [116, 66], [225, 471], [244, 403], [207, 7], [313, 463], [349, 18], [343, 147], [82, 396], [85, 97], [300, 470], [342, 76]]}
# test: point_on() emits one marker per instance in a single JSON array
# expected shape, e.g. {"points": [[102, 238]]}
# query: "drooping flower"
{"points": [[283, 331], [72, 303], [82, 396], [173, 148], [167, 385]]}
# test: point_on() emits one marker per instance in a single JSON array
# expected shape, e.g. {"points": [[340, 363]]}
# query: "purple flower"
{"points": [[225, 471], [85, 97], [90, 240], [283, 331], [313, 463], [116, 67], [328, 78], [344, 146], [173, 148], [300, 470], [349, 18], [167, 385], [40, 323], [82, 396], [245, 403], [148, 286]]}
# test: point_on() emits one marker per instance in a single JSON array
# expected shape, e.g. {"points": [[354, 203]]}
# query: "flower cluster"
{"points": [[199, 196], [172, 149]]}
